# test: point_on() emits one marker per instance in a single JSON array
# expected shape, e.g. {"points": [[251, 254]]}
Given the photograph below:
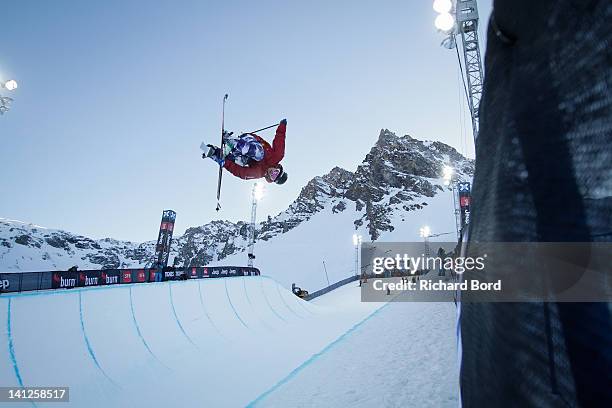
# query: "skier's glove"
{"points": [[218, 159], [283, 122]]}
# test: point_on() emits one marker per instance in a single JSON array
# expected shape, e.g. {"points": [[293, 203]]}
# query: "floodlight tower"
{"points": [[425, 233], [448, 174], [5, 101], [467, 21], [256, 195], [460, 17], [357, 240]]}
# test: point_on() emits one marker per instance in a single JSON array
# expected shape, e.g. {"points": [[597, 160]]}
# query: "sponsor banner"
{"points": [[464, 202], [139, 275], [250, 271], [168, 215], [9, 282], [28, 281], [228, 271], [110, 277], [176, 274], [465, 215], [464, 188], [90, 278], [166, 226], [63, 280], [126, 276], [217, 272]]}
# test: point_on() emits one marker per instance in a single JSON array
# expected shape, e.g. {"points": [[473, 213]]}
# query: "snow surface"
{"points": [[217, 342], [229, 342], [402, 356]]}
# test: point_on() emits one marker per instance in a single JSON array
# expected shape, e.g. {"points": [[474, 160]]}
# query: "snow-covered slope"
{"points": [[414, 364], [394, 191], [200, 343]]}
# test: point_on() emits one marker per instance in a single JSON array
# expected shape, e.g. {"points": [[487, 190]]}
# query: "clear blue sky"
{"points": [[116, 96]]}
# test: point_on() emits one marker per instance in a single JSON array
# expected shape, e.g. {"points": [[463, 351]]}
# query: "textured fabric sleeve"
{"points": [[278, 145]]}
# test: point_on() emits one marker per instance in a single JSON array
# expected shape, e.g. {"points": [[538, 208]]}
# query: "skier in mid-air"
{"points": [[251, 157]]}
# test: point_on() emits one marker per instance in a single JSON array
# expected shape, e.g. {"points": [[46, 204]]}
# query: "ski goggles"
{"points": [[272, 174]]}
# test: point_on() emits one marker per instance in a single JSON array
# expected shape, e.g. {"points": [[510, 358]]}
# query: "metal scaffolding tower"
{"points": [[256, 195], [460, 18], [466, 12]]}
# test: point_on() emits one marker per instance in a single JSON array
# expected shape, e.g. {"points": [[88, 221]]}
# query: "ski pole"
{"points": [[267, 127]]}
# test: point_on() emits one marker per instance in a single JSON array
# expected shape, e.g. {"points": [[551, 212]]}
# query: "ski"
{"points": [[222, 145]]}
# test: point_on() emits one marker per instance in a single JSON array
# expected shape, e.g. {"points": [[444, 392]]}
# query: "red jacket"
{"points": [[272, 156]]}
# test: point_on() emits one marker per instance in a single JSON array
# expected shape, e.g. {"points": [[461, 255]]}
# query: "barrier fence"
{"points": [[28, 281], [331, 287]]}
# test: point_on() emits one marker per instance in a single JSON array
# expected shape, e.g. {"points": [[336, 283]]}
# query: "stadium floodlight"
{"points": [[442, 6], [445, 22], [425, 232], [5, 101], [357, 239], [11, 85], [258, 191], [257, 194]]}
